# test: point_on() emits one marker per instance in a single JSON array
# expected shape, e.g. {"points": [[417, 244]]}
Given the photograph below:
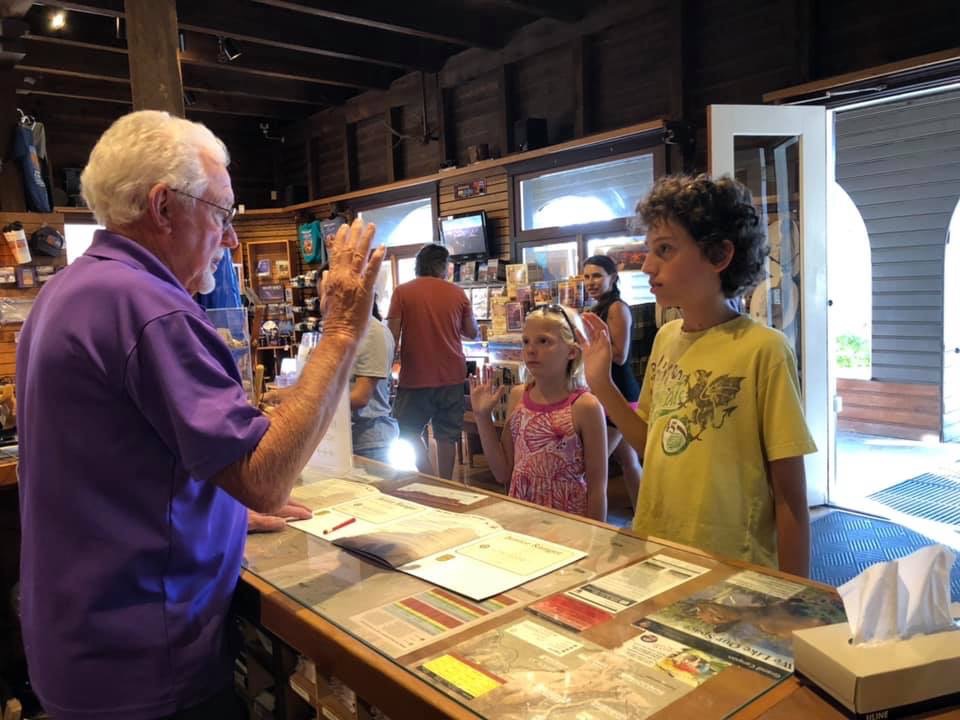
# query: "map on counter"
{"points": [[602, 598], [748, 619], [529, 669], [469, 554]]}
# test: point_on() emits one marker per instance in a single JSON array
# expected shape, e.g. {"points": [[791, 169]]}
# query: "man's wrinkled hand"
{"points": [[273, 522], [346, 289]]}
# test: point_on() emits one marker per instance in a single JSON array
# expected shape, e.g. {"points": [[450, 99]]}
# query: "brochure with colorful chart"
{"points": [[748, 619], [469, 554], [604, 597]]}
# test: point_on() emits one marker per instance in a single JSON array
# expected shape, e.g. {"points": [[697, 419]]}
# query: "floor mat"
{"points": [[844, 544], [931, 496]]}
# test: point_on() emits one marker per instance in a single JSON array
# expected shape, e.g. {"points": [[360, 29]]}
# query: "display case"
{"points": [[633, 629]]}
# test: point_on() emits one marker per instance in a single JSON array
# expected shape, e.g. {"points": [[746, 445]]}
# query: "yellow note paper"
{"points": [[465, 678]]}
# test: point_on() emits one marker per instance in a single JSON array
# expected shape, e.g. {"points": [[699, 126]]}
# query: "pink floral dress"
{"points": [[548, 467]]}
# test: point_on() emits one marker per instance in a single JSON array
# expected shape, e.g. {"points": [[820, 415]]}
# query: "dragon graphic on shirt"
{"points": [[694, 404]]}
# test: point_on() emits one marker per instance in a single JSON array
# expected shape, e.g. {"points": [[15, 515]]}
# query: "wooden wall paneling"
{"points": [[734, 52], [371, 143], [496, 203], [328, 164], [507, 112], [422, 150], [394, 145], [476, 114], [631, 69], [294, 157], [448, 138], [849, 39], [582, 98], [350, 157], [543, 87], [31, 222]]}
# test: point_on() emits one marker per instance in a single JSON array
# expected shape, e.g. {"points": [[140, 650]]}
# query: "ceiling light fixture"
{"points": [[227, 49], [58, 20]]}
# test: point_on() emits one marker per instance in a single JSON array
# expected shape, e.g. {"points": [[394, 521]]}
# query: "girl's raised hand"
{"points": [[483, 398], [595, 344]]}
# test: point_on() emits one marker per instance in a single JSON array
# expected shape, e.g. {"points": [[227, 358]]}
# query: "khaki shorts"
{"points": [[441, 406]]}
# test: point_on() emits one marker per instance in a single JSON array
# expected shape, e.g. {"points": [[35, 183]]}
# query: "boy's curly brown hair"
{"points": [[712, 211]]}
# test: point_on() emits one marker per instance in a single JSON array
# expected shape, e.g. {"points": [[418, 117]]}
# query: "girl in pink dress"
{"points": [[553, 449]]}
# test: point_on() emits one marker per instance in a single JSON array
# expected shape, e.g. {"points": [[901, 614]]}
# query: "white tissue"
{"points": [[900, 598]]}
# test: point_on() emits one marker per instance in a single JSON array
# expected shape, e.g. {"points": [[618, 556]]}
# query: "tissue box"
{"points": [[888, 680]]}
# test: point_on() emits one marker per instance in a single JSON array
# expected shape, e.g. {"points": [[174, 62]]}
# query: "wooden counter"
{"points": [[8, 472], [319, 600]]}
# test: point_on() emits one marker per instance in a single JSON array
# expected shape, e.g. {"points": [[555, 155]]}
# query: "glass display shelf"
{"points": [[634, 629]]}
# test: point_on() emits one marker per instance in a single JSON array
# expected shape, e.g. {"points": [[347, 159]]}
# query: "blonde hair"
{"points": [[139, 151], [555, 314]]}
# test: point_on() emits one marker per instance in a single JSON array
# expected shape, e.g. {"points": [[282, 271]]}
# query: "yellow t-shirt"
{"points": [[718, 405]]}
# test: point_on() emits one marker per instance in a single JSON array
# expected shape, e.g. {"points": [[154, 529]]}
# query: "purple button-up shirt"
{"points": [[129, 403]]}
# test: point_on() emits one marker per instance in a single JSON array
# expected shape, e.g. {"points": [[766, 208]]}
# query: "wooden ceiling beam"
{"points": [[80, 61], [99, 33], [267, 61], [219, 104], [87, 118], [110, 89], [248, 22], [14, 8], [395, 18]]}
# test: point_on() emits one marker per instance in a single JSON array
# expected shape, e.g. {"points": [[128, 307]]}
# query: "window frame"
{"points": [[398, 197], [645, 144]]}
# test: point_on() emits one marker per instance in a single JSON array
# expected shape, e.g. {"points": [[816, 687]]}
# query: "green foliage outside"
{"points": [[853, 351]]}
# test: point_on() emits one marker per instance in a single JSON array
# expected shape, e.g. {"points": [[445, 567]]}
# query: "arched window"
{"points": [[572, 210], [850, 286]]}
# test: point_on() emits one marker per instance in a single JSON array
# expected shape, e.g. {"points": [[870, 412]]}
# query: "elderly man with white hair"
{"points": [[138, 448]]}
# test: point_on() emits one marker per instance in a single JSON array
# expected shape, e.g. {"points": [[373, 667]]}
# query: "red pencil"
{"points": [[341, 525]]}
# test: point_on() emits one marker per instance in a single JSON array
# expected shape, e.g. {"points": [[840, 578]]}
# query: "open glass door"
{"points": [[780, 153]]}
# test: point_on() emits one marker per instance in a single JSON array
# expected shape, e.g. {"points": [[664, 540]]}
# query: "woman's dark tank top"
{"points": [[622, 375]]}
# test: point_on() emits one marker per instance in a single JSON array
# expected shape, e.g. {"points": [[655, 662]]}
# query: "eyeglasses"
{"points": [[228, 213], [558, 309]]}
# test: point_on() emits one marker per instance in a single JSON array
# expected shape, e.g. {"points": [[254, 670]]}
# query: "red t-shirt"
{"points": [[431, 312]]}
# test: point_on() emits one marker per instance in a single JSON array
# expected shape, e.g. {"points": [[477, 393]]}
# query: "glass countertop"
{"points": [[634, 629]]}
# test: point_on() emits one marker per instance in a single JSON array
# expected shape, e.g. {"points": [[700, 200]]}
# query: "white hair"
{"points": [[139, 151]]}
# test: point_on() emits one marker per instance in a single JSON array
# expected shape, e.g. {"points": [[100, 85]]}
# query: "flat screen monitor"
{"points": [[465, 236]]}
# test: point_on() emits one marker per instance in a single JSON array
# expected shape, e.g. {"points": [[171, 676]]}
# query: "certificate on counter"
{"points": [[493, 564], [468, 554]]}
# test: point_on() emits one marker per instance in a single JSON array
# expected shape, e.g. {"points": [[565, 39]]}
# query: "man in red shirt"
{"points": [[428, 316]]}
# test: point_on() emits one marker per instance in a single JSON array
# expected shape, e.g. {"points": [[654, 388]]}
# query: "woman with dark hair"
{"points": [[601, 283]]}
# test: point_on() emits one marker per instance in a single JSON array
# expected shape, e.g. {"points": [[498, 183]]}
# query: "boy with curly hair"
{"points": [[720, 421]]}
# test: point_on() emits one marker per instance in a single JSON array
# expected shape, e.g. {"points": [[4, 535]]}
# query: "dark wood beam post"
{"points": [[11, 182], [153, 44], [448, 137], [504, 130], [393, 117], [676, 160], [313, 163], [582, 122], [349, 156]]}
